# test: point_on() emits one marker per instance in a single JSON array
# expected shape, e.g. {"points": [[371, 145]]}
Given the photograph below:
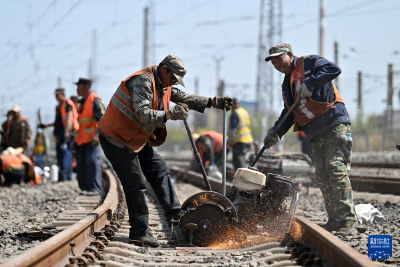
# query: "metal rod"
{"points": [[224, 154], [276, 129], [197, 156]]}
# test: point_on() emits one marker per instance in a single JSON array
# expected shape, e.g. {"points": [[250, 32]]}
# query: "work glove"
{"points": [[221, 102], [179, 112], [95, 140], [67, 138], [303, 90], [271, 138]]}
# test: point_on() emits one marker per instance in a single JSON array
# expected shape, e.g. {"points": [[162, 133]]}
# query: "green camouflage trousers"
{"points": [[332, 153]]}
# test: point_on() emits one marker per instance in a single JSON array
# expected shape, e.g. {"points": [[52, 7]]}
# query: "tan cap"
{"points": [[16, 108], [195, 136], [278, 50], [176, 66], [60, 90]]}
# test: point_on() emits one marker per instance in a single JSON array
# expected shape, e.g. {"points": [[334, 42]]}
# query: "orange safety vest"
{"points": [[11, 162], [217, 139], [30, 174], [87, 121], [23, 121], [308, 109], [64, 117], [118, 122]]}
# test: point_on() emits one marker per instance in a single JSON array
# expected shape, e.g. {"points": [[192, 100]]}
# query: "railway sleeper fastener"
{"points": [[93, 250], [109, 230], [98, 244], [305, 257], [298, 251], [77, 261], [116, 223], [89, 256], [316, 262]]}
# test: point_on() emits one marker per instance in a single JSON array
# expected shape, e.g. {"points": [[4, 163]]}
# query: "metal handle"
{"points": [[276, 130], [224, 154], [197, 156]]}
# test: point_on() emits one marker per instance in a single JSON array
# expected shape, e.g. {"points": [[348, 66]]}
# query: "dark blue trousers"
{"points": [[132, 170], [64, 158], [88, 168]]}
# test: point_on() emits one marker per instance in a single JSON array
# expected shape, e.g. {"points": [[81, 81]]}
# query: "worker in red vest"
{"points": [[65, 129], [88, 165], [135, 122], [16, 130], [322, 115]]}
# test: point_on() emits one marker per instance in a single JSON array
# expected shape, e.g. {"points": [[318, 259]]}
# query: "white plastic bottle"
{"points": [[54, 173]]}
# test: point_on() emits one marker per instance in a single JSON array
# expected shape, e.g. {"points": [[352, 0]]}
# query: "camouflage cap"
{"points": [[278, 50], [176, 66], [60, 90]]}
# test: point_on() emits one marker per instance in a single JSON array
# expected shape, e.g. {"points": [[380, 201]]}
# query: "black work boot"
{"points": [[345, 228], [147, 240]]}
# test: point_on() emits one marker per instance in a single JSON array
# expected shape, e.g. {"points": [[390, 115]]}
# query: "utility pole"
{"points": [[146, 42], [322, 23], [390, 100], [359, 101], [218, 71], [58, 81], [93, 58], [270, 33], [337, 62], [221, 88]]}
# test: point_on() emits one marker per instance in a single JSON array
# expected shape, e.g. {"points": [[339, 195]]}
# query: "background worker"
{"points": [[65, 129], [209, 146], [322, 115], [88, 165], [16, 129], [134, 122], [240, 137], [16, 167]]}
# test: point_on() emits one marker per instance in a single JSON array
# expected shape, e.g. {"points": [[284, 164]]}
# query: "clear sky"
{"points": [[42, 40]]}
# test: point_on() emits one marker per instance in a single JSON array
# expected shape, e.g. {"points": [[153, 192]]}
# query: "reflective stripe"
{"points": [[124, 96], [88, 130], [241, 135], [87, 120], [305, 110]]}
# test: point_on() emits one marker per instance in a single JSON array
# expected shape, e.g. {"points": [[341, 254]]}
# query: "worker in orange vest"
{"points": [[135, 122], [16, 129], [88, 165], [16, 167], [65, 129], [209, 146]]}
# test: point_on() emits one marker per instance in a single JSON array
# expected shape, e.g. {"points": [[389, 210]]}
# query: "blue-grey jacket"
{"points": [[319, 72]]}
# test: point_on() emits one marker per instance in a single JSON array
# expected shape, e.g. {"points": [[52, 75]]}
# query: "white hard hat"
{"points": [[16, 108]]}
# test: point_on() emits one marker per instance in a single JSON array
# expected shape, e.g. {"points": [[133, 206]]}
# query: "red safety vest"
{"points": [[23, 121], [308, 109], [64, 117], [118, 120], [87, 121]]}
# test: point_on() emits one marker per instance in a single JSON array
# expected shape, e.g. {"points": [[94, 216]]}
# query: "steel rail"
{"points": [[328, 247], [71, 242]]}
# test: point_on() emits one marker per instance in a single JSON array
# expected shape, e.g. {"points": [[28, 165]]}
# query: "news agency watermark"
{"points": [[379, 247]]}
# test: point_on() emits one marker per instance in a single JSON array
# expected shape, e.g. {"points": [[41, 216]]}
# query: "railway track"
{"points": [[101, 239]]}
